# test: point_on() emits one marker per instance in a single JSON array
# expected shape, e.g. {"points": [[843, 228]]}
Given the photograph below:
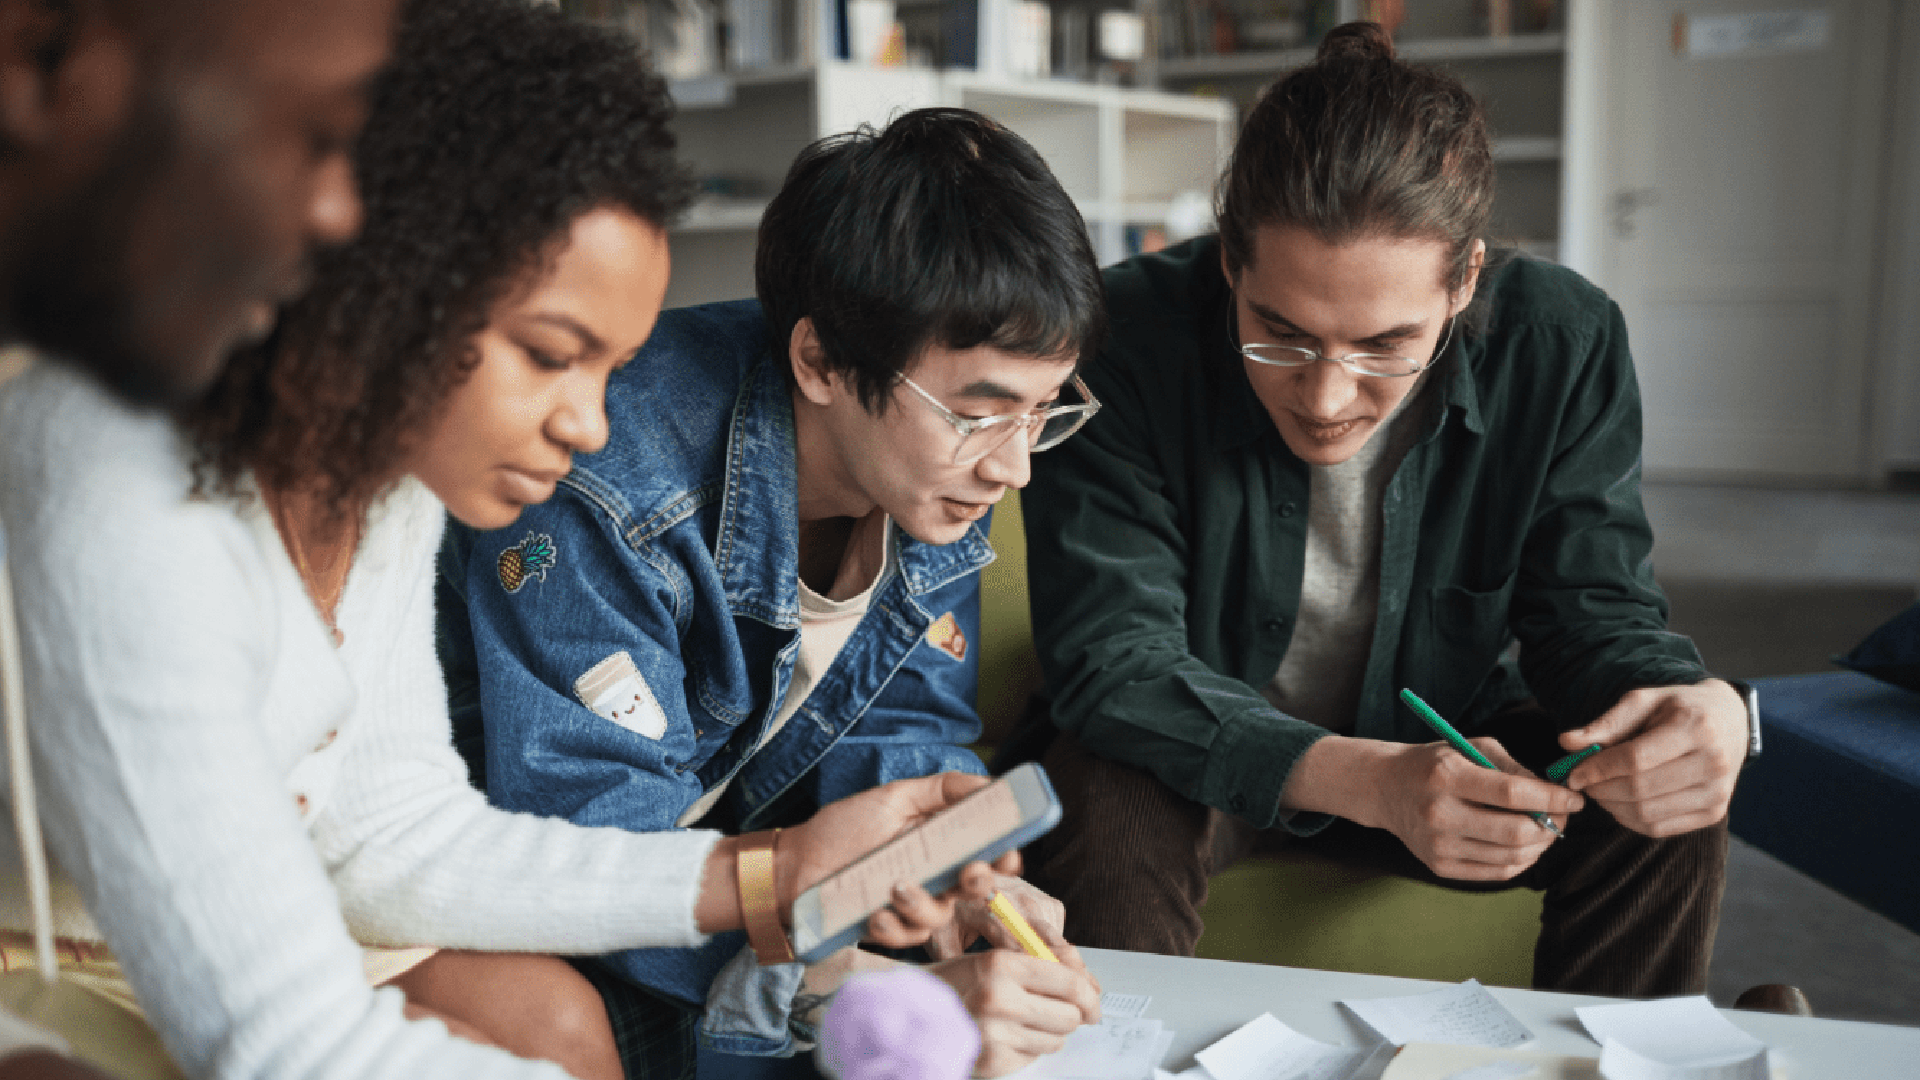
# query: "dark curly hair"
{"points": [[497, 124]]}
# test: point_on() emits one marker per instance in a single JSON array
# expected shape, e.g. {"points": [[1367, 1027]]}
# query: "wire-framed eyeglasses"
{"points": [[1378, 365], [1046, 427]]}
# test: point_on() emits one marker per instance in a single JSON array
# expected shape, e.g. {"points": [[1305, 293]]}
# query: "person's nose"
{"points": [[1010, 463], [334, 210], [1325, 390], [579, 418]]}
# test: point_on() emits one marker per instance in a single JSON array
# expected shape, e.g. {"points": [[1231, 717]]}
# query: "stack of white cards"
{"points": [[1675, 1039], [1267, 1049]]}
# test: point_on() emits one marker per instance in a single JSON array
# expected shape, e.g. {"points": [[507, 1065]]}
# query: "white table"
{"points": [[1202, 1000]]}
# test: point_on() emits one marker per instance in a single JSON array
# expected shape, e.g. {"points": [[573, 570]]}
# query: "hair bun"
{"points": [[1367, 41]]}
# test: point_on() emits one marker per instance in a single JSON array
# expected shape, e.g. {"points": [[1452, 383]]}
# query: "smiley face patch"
{"points": [[614, 689], [945, 634]]}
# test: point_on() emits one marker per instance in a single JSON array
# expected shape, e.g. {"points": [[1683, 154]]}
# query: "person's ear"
{"points": [[1464, 295], [811, 373], [65, 73]]}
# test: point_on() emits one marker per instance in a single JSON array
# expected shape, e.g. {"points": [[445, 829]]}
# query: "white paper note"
{"points": [[1495, 1070], [1464, 1015], [1436, 1061], [1266, 1049], [1126, 1006], [1116, 1048], [1675, 1032], [1618, 1061]]}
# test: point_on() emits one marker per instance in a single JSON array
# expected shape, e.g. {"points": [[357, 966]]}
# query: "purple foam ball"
{"points": [[903, 1024]]}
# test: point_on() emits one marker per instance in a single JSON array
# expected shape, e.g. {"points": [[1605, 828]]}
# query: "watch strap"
{"points": [[1751, 698], [760, 899]]}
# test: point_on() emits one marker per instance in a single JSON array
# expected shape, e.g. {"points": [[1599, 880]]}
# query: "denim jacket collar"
{"points": [[757, 551], [757, 548]]}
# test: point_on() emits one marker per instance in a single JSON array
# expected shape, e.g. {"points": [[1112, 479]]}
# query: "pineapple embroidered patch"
{"points": [[530, 558], [945, 634]]}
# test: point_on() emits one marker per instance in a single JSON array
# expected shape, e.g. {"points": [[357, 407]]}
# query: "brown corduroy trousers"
{"points": [[1623, 914]]}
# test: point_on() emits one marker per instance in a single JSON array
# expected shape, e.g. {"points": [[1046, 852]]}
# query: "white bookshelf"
{"points": [[1121, 154]]}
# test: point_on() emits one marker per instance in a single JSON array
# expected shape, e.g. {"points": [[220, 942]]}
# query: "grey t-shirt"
{"points": [[1326, 659]]}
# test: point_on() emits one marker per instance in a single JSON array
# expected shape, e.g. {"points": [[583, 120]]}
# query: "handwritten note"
{"points": [[1266, 1049], [1127, 1006], [1116, 1048], [1465, 1015], [1672, 1039]]}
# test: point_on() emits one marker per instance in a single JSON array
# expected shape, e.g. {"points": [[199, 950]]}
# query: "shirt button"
{"points": [[1274, 626], [300, 803], [1287, 509]]}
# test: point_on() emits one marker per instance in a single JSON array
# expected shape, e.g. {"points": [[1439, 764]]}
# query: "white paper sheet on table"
{"points": [[1496, 1070], [1122, 1046], [1464, 1015], [1438, 1061], [1266, 1049], [1672, 1039]]}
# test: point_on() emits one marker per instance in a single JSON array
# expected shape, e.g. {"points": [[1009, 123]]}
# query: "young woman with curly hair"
{"points": [[229, 613]]}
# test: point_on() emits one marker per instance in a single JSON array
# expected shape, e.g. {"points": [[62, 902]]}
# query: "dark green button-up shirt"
{"points": [[1167, 539]]}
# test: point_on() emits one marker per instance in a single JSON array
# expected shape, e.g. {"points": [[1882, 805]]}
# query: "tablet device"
{"points": [[994, 820]]}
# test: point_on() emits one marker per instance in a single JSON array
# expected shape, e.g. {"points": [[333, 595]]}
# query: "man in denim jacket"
{"points": [[763, 594]]}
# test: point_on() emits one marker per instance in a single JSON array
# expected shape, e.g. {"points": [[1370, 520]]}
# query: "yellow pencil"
{"points": [[1022, 931]]}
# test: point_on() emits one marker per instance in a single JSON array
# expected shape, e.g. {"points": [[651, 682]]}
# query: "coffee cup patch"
{"points": [[614, 689]]}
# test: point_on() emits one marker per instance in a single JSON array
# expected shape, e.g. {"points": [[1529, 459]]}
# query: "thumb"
{"points": [[925, 796], [1610, 728]]}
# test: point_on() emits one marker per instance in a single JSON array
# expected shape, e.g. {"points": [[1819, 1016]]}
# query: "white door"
{"points": [[1740, 195]]}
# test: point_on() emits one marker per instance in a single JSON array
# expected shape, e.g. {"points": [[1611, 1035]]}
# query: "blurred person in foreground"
{"points": [[240, 727], [166, 169]]}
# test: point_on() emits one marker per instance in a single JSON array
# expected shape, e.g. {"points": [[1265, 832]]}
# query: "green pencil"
{"points": [[1560, 770], [1459, 742]]}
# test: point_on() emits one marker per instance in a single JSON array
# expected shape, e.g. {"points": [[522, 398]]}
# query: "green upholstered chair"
{"points": [[1298, 910]]}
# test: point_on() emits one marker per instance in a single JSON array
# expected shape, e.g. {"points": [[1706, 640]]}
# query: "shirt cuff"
{"points": [[749, 1008], [1248, 765]]}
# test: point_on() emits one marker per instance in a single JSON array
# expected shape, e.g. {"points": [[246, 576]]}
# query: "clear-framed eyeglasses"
{"points": [[1378, 365], [1045, 427]]}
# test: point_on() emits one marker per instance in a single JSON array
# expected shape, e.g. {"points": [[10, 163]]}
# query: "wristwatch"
{"points": [[1752, 697]]}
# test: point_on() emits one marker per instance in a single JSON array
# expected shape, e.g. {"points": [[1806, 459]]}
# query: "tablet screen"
{"points": [[943, 842]]}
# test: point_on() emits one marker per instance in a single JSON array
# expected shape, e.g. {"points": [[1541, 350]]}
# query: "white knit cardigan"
{"points": [[235, 800]]}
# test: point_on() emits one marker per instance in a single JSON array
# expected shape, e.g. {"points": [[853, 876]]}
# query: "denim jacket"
{"points": [[626, 644]]}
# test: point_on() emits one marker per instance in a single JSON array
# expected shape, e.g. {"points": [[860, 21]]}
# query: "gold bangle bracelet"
{"points": [[760, 899]]}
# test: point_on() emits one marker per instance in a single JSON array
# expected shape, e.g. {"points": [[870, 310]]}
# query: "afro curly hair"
{"points": [[497, 124]]}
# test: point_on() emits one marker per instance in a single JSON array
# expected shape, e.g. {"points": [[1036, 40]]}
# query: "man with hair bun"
{"points": [[1346, 452]]}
